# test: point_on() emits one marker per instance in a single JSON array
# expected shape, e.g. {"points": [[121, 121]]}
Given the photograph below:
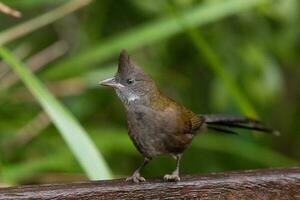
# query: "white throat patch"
{"points": [[133, 97], [127, 97]]}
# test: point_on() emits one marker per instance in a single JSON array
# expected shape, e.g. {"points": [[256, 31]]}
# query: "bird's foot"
{"points": [[136, 178], [172, 177]]}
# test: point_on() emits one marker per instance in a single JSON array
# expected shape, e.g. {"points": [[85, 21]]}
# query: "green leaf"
{"points": [[75, 136]]}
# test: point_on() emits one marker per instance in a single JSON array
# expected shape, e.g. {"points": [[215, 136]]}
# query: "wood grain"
{"points": [[273, 184]]}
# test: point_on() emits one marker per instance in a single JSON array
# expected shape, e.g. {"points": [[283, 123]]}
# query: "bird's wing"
{"points": [[195, 123], [180, 120], [189, 122]]}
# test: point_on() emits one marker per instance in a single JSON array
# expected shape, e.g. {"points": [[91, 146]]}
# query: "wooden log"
{"points": [[273, 184]]}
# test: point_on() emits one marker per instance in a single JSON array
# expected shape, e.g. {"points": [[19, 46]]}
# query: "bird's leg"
{"points": [[136, 176], [175, 174]]}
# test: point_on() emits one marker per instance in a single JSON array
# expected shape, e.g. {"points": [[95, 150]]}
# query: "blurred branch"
{"points": [[64, 88], [36, 62], [47, 55], [68, 87], [9, 11], [29, 131], [40, 21]]}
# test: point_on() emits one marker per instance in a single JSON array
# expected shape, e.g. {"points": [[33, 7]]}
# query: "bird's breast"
{"points": [[156, 132]]}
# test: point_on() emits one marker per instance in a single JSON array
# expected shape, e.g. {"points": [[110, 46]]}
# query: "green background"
{"points": [[213, 56]]}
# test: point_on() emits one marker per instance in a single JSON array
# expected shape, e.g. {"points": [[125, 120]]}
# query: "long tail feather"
{"points": [[256, 127], [228, 118], [220, 122], [223, 130]]}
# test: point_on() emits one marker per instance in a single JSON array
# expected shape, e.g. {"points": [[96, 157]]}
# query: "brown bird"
{"points": [[158, 125]]}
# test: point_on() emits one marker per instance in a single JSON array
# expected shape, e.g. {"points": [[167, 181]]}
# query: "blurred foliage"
{"points": [[214, 56]]}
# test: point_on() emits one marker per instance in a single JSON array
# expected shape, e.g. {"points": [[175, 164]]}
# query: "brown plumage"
{"points": [[158, 125], [161, 127]]}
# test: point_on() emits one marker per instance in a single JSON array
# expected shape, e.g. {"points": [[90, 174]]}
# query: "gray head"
{"points": [[130, 82]]}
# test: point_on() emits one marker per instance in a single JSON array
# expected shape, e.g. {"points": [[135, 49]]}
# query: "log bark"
{"points": [[263, 184]]}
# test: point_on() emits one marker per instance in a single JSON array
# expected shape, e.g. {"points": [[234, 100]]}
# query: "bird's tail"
{"points": [[226, 124]]}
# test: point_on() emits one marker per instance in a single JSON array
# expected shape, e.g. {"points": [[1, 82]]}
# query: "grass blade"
{"points": [[75, 136], [215, 64]]}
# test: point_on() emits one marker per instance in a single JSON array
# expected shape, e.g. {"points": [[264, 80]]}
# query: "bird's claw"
{"points": [[136, 178], [172, 177]]}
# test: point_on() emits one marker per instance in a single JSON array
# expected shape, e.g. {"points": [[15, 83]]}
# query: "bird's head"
{"points": [[130, 82]]}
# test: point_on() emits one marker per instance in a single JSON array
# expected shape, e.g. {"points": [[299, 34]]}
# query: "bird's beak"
{"points": [[111, 82]]}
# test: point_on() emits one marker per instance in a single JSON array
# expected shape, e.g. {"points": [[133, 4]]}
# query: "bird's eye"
{"points": [[130, 81]]}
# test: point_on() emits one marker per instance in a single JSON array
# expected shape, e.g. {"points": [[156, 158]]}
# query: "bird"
{"points": [[158, 125]]}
